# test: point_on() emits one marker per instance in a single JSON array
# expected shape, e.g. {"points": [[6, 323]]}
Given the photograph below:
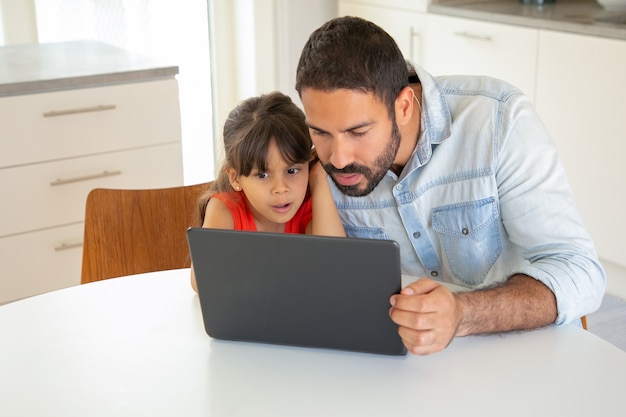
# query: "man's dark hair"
{"points": [[354, 54]]}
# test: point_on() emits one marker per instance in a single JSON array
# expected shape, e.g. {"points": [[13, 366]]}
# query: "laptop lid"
{"points": [[300, 290]]}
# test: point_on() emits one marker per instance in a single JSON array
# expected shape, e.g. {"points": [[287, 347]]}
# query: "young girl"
{"points": [[269, 180]]}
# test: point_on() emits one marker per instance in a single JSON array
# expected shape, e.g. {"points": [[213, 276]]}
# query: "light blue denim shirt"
{"points": [[484, 196]]}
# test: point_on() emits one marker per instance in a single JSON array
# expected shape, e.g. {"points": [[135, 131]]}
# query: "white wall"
{"points": [[297, 20], [17, 22], [256, 46]]}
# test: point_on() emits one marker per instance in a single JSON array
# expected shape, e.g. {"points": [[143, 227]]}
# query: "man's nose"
{"points": [[342, 153]]}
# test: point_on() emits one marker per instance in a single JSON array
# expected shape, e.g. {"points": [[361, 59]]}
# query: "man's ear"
{"points": [[405, 105]]}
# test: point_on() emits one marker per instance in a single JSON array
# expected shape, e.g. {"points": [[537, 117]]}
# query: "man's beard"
{"points": [[381, 165]]}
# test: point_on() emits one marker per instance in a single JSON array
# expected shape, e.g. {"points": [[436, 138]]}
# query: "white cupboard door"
{"points": [[405, 26], [54, 193], [87, 121], [35, 263], [581, 85], [466, 46]]}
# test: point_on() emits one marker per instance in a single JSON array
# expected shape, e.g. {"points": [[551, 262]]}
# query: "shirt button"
{"points": [[417, 235], [465, 231], [434, 273], [399, 187]]}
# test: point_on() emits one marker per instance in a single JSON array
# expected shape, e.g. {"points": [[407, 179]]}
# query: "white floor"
{"points": [[609, 322], [616, 279]]}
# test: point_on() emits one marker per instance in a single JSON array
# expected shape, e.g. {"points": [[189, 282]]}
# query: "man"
{"points": [[462, 174]]}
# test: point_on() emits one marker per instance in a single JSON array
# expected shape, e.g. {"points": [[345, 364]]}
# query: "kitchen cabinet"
{"points": [[403, 20], [455, 45], [580, 93], [59, 143]]}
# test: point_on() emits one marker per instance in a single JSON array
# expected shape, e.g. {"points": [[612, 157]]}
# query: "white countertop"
{"points": [[586, 17], [36, 68], [136, 346]]}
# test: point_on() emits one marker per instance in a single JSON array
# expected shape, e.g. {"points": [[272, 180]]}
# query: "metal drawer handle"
{"points": [[473, 36], [413, 39], [100, 107], [66, 246], [103, 174]]}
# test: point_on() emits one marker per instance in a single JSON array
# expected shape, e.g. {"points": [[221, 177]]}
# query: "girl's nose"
{"points": [[279, 186]]}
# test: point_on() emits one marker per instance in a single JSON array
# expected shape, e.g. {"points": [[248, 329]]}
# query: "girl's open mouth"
{"points": [[282, 208]]}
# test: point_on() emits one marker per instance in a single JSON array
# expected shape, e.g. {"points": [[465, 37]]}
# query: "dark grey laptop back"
{"points": [[297, 290]]}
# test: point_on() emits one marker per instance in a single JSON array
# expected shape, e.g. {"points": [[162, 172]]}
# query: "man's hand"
{"points": [[427, 314]]}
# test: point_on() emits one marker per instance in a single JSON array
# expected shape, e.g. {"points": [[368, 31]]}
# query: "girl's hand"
{"points": [[317, 175], [325, 221]]}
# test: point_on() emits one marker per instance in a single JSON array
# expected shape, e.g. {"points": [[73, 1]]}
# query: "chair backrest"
{"points": [[135, 231]]}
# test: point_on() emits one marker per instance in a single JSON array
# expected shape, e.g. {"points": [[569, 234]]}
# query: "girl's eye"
{"points": [[261, 175], [293, 170]]}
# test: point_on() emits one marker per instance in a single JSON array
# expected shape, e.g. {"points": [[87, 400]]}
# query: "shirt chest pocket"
{"points": [[470, 236], [365, 232]]}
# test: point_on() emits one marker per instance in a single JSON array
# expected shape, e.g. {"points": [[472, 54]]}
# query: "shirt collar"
{"points": [[435, 125]]}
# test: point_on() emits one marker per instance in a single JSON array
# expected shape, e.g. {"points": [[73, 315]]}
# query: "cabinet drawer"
{"points": [[50, 126], [588, 129], [54, 193], [34, 263], [464, 46]]}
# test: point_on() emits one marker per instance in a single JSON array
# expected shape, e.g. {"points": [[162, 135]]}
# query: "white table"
{"points": [[136, 346]]}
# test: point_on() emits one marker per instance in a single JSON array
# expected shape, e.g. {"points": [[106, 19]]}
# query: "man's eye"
{"points": [[358, 133]]}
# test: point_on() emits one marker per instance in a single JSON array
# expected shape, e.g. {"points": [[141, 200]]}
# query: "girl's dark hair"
{"points": [[355, 54], [248, 132]]}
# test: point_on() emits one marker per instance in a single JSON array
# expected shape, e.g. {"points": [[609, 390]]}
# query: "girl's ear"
{"points": [[233, 178]]}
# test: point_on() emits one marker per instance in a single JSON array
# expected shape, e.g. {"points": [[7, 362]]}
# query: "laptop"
{"points": [[299, 290]]}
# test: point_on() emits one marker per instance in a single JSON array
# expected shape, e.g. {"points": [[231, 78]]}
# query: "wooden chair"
{"points": [[135, 231]]}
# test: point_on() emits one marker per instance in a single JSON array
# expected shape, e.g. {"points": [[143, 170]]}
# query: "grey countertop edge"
{"points": [[549, 24], [88, 81]]}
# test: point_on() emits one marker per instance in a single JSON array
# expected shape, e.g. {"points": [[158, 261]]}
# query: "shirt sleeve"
{"points": [[540, 215]]}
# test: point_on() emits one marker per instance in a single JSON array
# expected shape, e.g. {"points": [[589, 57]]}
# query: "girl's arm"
{"points": [[216, 216], [325, 220]]}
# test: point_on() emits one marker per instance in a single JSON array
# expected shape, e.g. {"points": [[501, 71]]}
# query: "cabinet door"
{"points": [[87, 121], [580, 96], [54, 193], [34, 263], [405, 26], [463, 46]]}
